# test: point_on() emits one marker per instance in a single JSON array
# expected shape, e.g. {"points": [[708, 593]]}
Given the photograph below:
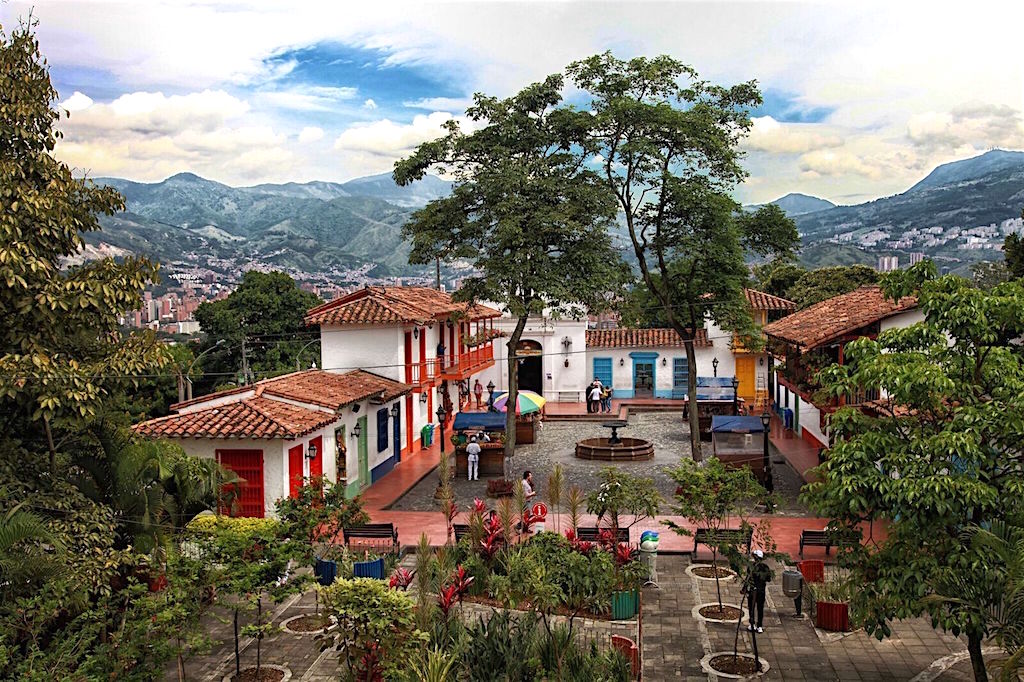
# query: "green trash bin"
{"points": [[427, 435]]}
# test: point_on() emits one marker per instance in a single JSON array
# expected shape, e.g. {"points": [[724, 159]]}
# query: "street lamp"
{"points": [[735, 395], [714, 366], [188, 372], [440, 422], [490, 396], [769, 484], [298, 356]]}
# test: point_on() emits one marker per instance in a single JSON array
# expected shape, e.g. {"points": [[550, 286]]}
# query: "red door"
{"points": [[408, 422], [408, 357], [295, 473], [248, 465], [316, 465]]}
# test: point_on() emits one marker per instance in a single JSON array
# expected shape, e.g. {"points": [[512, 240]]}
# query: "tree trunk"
{"points": [[977, 660], [513, 391], [238, 660], [259, 636], [691, 400], [50, 445]]}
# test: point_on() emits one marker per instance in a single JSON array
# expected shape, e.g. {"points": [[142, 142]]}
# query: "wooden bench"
{"points": [[461, 531], [824, 538], [376, 532], [704, 536], [568, 396], [593, 534]]}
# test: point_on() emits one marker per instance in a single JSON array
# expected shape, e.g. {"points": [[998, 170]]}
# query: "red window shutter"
{"points": [[316, 465], [247, 465]]}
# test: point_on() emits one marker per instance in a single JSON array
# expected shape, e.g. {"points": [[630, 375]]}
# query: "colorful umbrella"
{"points": [[526, 402]]}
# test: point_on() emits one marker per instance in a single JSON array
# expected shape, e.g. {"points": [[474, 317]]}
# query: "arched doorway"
{"points": [[531, 376]]}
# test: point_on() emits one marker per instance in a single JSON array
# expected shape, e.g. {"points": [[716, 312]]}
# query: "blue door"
{"points": [[603, 370], [680, 377], [397, 433]]}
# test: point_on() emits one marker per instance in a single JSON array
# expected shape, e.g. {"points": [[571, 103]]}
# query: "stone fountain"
{"points": [[614, 448]]}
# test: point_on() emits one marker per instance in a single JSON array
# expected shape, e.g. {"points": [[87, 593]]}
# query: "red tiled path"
{"points": [[406, 474], [801, 455]]}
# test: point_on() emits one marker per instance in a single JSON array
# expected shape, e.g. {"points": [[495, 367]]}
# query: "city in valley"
{"points": [[521, 341]]}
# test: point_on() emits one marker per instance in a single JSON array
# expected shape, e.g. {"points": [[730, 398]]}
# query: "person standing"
{"points": [[478, 392], [528, 490], [473, 460], [595, 397], [757, 583], [606, 399]]}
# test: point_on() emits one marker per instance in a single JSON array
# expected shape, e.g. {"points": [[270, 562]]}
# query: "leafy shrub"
{"points": [[211, 523]]}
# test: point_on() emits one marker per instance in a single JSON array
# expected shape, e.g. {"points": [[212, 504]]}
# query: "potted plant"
{"points": [[831, 604]]}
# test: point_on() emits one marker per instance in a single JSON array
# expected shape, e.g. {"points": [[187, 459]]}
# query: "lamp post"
{"points": [[440, 423], [735, 395], [490, 396], [188, 372], [298, 356], [769, 484], [714, 366]]}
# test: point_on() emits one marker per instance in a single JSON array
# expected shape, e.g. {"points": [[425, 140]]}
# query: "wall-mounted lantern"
{"points": [[311, 452], [357, 430]]}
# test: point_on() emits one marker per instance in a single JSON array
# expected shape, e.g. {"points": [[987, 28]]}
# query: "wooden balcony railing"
{"points": [[459, 366], [424, 373]]}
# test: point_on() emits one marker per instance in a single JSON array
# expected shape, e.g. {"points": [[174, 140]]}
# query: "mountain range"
{"points": [[326, 227]]}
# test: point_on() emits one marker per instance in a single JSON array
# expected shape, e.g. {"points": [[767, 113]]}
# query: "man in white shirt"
{"points": [[473, 459], [595, 397], [528, 490]]}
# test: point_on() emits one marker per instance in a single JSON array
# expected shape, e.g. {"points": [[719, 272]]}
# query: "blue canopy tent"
{"points": [[479, 421], [738, 441], [736, 424]]}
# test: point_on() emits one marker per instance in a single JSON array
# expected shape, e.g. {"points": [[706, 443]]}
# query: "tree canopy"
{"points": [[943, 450], [526, 211], [667, 146], [267, 309], [806, 287]]}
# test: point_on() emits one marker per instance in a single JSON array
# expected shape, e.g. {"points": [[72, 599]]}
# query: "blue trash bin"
{"points": [[325, 571]]}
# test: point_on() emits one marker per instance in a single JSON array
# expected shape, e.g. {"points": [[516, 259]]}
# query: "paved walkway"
{"points": [[674, 642], [798, 453]]}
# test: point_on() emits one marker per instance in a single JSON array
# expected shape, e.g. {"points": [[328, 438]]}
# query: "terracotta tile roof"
{"points": [[834, 317], [394, 305], [760, 300], [316, 387], [256, 417], [626, 337]]}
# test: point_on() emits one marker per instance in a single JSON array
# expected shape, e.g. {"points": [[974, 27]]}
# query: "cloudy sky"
{"points": [[861, 99]]}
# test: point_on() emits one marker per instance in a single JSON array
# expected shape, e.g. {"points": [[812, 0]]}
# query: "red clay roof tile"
{"points": [[759, 300], [836, 316], [394, 305], [257, 418], [626, 337]]}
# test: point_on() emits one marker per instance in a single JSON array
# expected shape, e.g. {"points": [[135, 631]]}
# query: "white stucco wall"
{"points": [[377, 349], [904, 319], [275, 461], [809, 416], [557, 379]]}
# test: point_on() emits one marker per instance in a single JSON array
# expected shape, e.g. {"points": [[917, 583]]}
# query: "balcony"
{"points": [[423, 374], [463, 365]]}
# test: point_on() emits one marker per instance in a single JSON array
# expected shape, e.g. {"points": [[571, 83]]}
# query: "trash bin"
{"points": [[427, 435], [649, 555]]}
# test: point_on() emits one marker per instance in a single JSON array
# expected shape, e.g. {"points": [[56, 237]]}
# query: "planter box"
{"points": [[492, 460], [526, 430], [832, 616], [325, 571], [369, 569], [625, 604]]}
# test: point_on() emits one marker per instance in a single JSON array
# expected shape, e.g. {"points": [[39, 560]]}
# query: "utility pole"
{"points": [[245, 365], [437, 264]]}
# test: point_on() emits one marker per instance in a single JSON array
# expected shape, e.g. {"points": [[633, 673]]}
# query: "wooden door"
{"points": [[408, 423], [316, 465], [745, 365], [295, 472], [248, 465]]}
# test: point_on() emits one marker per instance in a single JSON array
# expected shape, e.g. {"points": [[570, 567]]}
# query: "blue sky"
{"points": [[860, 99]]}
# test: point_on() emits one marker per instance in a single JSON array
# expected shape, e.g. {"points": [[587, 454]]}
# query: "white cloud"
{"points": [[976, 126], [452, 104], [390, 139], [156, 113], [76, 102], [769, 135], [369, 104], [306, 98], [311, 134]]}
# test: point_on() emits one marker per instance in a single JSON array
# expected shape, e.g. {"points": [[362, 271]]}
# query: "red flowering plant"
{"points": [[401, 578], [625, 554]]}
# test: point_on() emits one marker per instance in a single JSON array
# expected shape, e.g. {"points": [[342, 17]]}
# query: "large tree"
{"points": [[61, 351], [943, 452], [266, 312], [667, 151], [526, 211], [1013, 252]]}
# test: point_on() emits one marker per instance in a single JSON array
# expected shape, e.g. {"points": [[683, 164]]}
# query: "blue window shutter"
{"points": [[603, 370], [382, 429]]}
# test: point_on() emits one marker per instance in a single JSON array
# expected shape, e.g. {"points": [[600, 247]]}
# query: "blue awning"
{"points": [[736, 424], [490, 421]]}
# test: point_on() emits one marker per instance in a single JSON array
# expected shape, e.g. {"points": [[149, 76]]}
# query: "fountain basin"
{"points": [[625, 450]]}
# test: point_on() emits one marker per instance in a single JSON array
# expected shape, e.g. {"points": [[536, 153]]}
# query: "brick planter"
{"points": [[832, 616]]}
